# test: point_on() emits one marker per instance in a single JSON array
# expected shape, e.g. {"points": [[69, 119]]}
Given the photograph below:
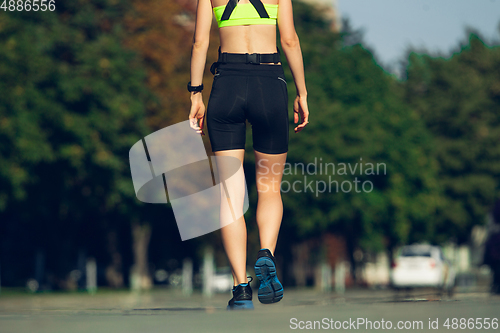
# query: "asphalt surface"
{"points": [[163, 310]]}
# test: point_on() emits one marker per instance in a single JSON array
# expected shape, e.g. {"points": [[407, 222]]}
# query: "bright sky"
{"points": [[390, 26]]}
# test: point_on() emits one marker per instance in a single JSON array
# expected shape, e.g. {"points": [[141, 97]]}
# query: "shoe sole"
{"points": [[270, 289], [241, 305]]}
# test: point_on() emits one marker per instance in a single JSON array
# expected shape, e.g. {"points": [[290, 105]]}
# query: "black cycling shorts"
{"points": [[257, 92]]}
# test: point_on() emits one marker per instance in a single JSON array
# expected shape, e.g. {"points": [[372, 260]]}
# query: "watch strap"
{"points": [[195, 88]]}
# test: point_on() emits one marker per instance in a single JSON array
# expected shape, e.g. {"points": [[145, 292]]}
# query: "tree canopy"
{"points": [[458, 98]]}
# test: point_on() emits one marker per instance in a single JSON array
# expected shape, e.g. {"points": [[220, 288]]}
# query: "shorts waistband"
{"points": [[246, 58], [249, 69]]}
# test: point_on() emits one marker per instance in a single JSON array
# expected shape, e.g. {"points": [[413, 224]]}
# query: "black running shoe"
{"points": [[242, 297], [270, 289]]}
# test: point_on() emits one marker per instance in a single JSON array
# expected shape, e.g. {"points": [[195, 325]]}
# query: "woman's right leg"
{"points": [[269, 172], [268, 114]]}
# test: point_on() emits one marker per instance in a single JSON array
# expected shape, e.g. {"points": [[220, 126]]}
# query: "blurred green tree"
{"points": [[72, 105], [459, 100]]}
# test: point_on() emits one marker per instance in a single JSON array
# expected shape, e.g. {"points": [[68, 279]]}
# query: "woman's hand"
{"points": [[300, 108], [197, 112]]}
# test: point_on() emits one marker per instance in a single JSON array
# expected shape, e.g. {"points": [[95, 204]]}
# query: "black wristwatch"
{"points": [[196, 88]]}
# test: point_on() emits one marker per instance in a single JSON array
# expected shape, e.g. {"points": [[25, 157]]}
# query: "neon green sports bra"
{"points": [[254, 12]]}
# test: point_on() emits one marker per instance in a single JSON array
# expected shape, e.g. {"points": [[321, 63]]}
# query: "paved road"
{"points": [[170, 311]]}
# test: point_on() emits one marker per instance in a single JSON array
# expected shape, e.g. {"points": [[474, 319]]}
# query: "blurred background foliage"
{"points": [[81, 85]]}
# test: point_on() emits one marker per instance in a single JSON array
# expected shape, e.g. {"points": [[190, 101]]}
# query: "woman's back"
{"points": [[254, 38]]}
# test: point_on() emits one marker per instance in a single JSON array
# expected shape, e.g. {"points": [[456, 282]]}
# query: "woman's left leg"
{"points": [[234, 233]]}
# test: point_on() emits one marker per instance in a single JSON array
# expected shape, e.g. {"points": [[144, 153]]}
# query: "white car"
{"points": [[422, 266]]}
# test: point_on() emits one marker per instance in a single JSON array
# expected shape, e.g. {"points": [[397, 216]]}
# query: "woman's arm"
{"points": [[291, 47], [199, 51]]}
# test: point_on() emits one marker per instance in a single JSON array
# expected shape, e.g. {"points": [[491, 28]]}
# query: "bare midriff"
{"points": [[255, 38]]}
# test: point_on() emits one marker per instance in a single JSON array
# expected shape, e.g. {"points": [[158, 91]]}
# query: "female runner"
{"points": [[249, 84]]}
